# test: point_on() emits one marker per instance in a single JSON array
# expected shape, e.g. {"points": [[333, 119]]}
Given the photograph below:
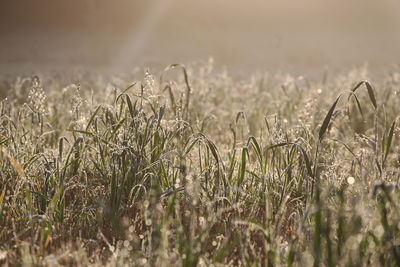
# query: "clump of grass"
{"points": [[199, 169]]}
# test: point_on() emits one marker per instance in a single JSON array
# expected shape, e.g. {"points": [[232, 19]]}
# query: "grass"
{"points": [[192, 167]]}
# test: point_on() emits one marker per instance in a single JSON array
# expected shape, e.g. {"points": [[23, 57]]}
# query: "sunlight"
{"points": [[139, 36]]}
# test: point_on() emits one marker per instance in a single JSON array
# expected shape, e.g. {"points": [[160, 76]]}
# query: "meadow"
{"points": [[192, 166]]}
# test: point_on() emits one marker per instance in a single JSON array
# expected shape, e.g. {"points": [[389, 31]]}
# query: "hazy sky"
{"points": [[251, 34]]}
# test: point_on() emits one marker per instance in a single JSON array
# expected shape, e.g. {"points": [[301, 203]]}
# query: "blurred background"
{"points": [[244, 35]]}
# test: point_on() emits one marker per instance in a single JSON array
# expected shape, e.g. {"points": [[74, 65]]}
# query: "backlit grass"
{"points": [[191, 166]]}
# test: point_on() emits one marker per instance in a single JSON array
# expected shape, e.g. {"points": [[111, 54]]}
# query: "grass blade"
{"points": [[92, 117], [2, 197], [370, 92], [389, 142], [188, 88], [306, 160], [327, 119]]}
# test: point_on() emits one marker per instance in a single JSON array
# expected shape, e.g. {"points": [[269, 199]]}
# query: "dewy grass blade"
{"points": [[242, 169], [188, 87], [352, 94], [370, 90], [306, 160], [389, 142], [327, 120]]}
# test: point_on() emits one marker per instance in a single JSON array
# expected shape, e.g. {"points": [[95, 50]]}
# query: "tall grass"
{"points": [[194, 167]]}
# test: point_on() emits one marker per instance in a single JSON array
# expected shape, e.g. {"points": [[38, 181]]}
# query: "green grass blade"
{"points": [[389, 141], [357, 102], [306, 160], [129, 87], [370, 90], [242, 170], [327, 119], [92, 117]]}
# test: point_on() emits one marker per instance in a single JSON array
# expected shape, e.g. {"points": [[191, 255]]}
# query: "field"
{"points": [[192, 166]]}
